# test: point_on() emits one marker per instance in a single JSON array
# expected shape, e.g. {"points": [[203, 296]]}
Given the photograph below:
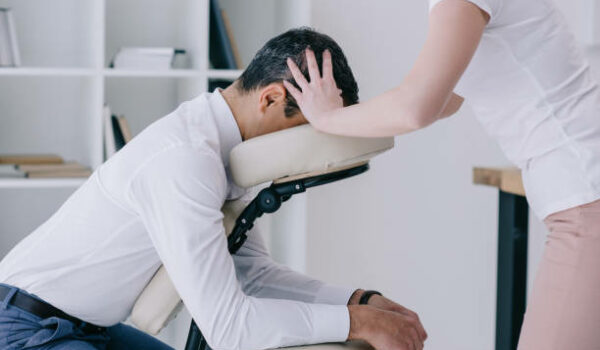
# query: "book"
{"points": [[221, 51], [117, 133], [58, 174], [9, 49], [30, 159], [29, 168], [109, 138], [125, 130], [70, 169], [148, 58], [234, 48]]}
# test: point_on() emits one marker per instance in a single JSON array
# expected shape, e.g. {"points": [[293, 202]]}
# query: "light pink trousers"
{"points": [[564, 306]]}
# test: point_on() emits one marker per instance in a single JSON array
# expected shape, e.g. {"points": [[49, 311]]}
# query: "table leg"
{"points": [[512, 269]]}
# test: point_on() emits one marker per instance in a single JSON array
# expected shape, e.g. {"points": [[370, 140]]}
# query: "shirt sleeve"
{"points": [[262, 277], [489, 6], [178, 195]]}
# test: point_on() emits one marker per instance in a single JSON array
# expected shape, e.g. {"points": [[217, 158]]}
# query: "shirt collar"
{"points": [[229, 132]]}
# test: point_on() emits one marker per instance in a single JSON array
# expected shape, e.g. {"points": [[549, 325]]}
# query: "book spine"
{"points": [[5, 48], [12, 32], [109, 139]]}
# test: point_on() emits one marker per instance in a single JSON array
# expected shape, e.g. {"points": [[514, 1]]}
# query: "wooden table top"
{"points": [[505, 179]]}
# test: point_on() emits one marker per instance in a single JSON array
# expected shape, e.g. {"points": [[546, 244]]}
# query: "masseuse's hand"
{"points": [[383, 303], [319, 96]]}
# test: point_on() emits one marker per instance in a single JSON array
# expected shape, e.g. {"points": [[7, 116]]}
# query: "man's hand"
{"points": [[383, 303], [384, 330]]}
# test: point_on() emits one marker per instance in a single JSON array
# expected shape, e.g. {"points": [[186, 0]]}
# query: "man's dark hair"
{"points": [[269, 65]]}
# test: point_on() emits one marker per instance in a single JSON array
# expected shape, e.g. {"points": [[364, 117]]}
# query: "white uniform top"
{"points": [[533, 91], [157, 201]]}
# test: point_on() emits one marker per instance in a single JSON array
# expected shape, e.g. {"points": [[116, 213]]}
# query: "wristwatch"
{"points": [[364, 298]]}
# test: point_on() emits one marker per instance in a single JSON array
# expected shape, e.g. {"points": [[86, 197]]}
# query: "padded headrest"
{"points": [[299, 150]]}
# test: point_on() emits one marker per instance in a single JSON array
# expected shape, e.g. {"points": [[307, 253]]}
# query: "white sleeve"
{"points": [[489, 6], [262, 277], [178, 195]]}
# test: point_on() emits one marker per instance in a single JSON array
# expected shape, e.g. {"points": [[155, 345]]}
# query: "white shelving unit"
{"points": [[64, 82]]}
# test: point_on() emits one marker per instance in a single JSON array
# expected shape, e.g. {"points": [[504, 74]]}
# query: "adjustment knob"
{"points": [[268, 200]]}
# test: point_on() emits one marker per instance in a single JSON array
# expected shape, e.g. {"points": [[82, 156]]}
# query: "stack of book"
{"points": [[116, 132], [9, 50], [149, 58], [40, 166]]}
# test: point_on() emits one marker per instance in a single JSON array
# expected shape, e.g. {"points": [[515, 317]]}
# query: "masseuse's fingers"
{"points": [[327, 66], [313, 66], [297, 94], [297, 74]]}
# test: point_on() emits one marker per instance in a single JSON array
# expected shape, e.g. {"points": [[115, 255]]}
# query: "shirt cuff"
{"points": [[331, 323], [333, 295]]}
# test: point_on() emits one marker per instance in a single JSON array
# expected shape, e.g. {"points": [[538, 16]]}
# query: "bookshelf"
{"points": [[53, 102]]}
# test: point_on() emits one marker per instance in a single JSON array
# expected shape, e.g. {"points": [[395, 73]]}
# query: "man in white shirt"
{"points": [[70, 283]]}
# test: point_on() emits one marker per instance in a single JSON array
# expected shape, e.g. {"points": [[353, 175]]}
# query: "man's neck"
{"points": [[236, 102]]}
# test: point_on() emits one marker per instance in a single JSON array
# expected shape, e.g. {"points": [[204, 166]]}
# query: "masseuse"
{"points": [[518, 65]]}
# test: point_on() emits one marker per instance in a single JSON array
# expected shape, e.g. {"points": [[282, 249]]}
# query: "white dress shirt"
{"points": [[157, 201], [532, 89]]}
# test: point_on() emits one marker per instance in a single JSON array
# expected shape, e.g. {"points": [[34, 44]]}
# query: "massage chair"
{"points": [[292, 160]]}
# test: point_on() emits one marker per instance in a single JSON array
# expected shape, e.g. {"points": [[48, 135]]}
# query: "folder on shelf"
{"points": [[222, 51], [125, 130], [116, 132], [149, 58], [109, 138]]}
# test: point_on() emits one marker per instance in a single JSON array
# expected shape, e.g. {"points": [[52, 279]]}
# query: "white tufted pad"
{"points": [[297, 151], [281, 156]]}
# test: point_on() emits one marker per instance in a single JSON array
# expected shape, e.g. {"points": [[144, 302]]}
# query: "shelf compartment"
{"points": [[182, 25], [59, 111], [60, 38], [143, 100]]}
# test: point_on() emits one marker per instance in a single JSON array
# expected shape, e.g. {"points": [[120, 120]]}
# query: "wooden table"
{"points": [[513, 215]]}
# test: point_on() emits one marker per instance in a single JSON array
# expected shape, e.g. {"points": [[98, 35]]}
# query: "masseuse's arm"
{"points": [[424, 96]]}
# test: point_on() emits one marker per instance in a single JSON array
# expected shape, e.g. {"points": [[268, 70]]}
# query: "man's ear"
{"points": [[271, 95]]}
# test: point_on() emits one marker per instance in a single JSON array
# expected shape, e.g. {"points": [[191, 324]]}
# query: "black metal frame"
{"points": [[513, 217], [268, 201]]}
